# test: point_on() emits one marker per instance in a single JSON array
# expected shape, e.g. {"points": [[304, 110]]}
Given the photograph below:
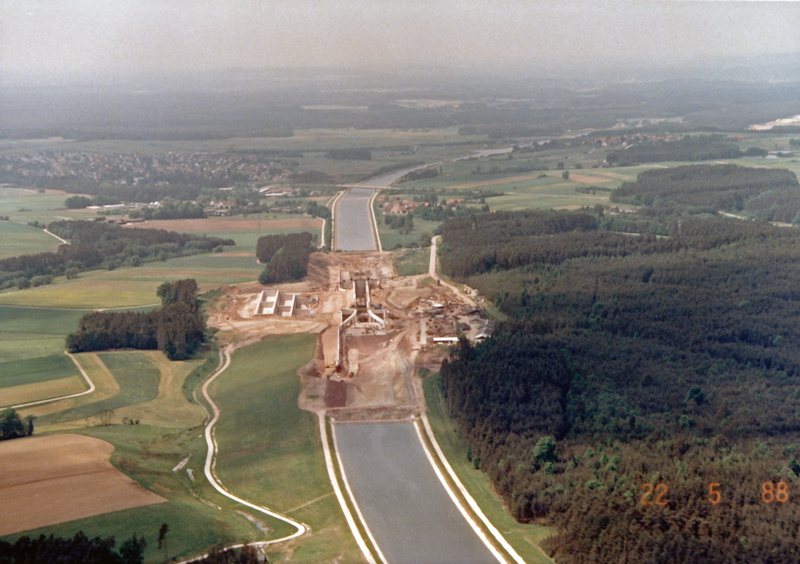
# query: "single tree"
{"points": [[162, 539]]}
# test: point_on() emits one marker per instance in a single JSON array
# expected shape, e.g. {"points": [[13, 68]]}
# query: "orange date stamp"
{"points": [[657, 494]]}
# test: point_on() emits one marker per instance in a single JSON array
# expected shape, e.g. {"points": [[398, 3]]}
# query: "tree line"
{"points": [[675, 362], [79, 549], [98, 245], [12, 427], [701, 148], [285, 257], [177, 328], [767, 194]]}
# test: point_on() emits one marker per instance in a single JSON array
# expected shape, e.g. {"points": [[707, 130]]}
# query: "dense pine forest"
{"points": [[177, 328], [702, 148], [643, 396], [100, 245], [768, 194], [285, 257]]}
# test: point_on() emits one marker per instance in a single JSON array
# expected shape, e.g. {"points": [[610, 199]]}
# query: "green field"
{"points": [[270, 450], [394, 239], [148, 454], [524, 538], [90, 291], [20, 239], [38, 369], [270, 453], [24, 205], [138, 381]]}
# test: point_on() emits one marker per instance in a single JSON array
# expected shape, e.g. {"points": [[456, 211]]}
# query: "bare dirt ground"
{"points": [[381, 382], [229, 224], [58, 478]]}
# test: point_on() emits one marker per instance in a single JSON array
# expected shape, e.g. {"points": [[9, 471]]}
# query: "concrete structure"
{"points": [[276, 303]]}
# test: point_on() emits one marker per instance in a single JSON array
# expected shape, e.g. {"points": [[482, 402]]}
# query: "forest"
{"points": [[285, 257], [701, 148], [760, 193], [642, 396], [96, 244], [177, 328]]}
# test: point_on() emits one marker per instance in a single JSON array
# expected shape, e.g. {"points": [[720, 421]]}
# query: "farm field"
{"points": [[91, 290], [20, 239], [138, 381], [33, 365], [149, 454], [23, 205], [274, 459], [149, 390], [35, 370], [72, 472]]}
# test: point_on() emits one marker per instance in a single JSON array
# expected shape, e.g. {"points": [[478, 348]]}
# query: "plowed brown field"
{"points": [[58, 478]]}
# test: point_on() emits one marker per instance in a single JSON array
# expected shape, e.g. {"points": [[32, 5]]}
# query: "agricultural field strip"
{"points": [[51, 400], [209, 467], [464, 493], [340, 497], [459, 504]]}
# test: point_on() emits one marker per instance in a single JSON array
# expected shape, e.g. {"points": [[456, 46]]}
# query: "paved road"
{"points": [[409, 513]]}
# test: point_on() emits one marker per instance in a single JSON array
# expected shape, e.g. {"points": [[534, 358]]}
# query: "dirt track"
{"points": [[57, 478]]}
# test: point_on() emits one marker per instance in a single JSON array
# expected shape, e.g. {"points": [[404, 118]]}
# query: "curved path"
{"points": [[59, 398], [212, 417]]}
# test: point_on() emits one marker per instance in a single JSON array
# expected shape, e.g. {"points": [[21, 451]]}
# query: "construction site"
{"points": [[375, 330]]}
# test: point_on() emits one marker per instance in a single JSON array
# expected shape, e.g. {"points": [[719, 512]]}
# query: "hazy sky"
{"points": [[78, 36]]}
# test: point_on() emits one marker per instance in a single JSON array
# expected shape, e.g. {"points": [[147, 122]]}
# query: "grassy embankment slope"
{"points": [[524, 538], [270, 450]]}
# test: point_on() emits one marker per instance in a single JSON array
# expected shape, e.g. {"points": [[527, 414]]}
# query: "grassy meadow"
{"points": [[20, 239], [270, 449]]}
